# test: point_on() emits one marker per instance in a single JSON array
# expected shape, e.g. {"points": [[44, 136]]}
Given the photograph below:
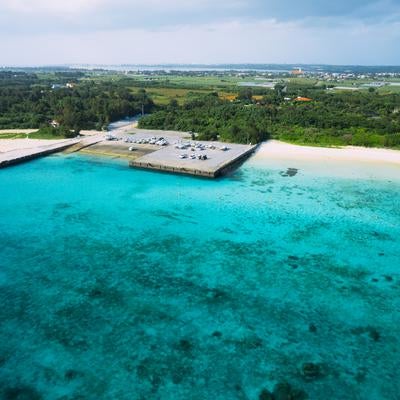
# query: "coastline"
{"points": [[345, 162], [283, 150], [270, 150]]}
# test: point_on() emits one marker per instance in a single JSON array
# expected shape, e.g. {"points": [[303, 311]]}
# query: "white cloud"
{"points": [[154, 31], [59, 7], [265, 41], [56, 7]]}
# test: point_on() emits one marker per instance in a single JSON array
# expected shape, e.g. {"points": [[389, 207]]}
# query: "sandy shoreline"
{"points": [[271, 150], [346, 162], [274, 149]]}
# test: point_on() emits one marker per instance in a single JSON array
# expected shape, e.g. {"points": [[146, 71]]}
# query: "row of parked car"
{"points": [[194, 156], [198, 146], [153, 140]]}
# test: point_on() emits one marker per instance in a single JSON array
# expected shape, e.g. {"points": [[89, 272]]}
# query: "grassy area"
{"points": [[311, 144], [364, 116], [302, 81], [162, 96], [165, 87], [44, 134], [389, 89], [194, 82], [331, 144], [211, 82], [13, 136]]}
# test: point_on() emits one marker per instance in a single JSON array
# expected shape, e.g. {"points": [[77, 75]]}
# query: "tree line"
{"points": [[26, 101], [358, 118], [365, 118], [212, 118]]}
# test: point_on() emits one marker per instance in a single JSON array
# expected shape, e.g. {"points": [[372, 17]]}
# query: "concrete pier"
{"points": [[221, 158], [21, 155], [206, 171], [179, 154], [39, 149], [86, 142]]}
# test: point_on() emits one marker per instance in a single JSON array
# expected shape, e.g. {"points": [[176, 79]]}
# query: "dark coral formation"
{"points": [[290, 172], [312, 328], [21, 393], [283, 391], [311, 371], [266, 395], [371, 331]]}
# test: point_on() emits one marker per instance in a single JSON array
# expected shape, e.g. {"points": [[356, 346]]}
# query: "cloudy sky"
{"points": [[42, 32]]}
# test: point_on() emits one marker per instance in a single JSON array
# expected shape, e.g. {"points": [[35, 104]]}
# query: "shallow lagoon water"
{"points": [[125, 284]]}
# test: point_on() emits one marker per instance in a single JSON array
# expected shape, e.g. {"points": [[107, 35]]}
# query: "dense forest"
{"points": [[348, 118], [78, 100], [29, 101], [213, 118]]}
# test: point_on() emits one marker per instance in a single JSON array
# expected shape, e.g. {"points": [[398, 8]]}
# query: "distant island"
{"points": [[309, 68]]}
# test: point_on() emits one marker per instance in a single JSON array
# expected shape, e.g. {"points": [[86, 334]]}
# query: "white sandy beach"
{"points": [[346, 162], [280, 150]]}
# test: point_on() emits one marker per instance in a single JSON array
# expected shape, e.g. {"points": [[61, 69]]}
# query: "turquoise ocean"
{"points": [[124, 284]]}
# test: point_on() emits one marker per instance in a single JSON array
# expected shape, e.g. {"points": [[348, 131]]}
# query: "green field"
{"points": [[212, 104], [45, 135], [13, 136], [163, 96]]}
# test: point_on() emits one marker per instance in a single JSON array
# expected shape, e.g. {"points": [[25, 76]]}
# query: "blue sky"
{"points": [[203, 31]]}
